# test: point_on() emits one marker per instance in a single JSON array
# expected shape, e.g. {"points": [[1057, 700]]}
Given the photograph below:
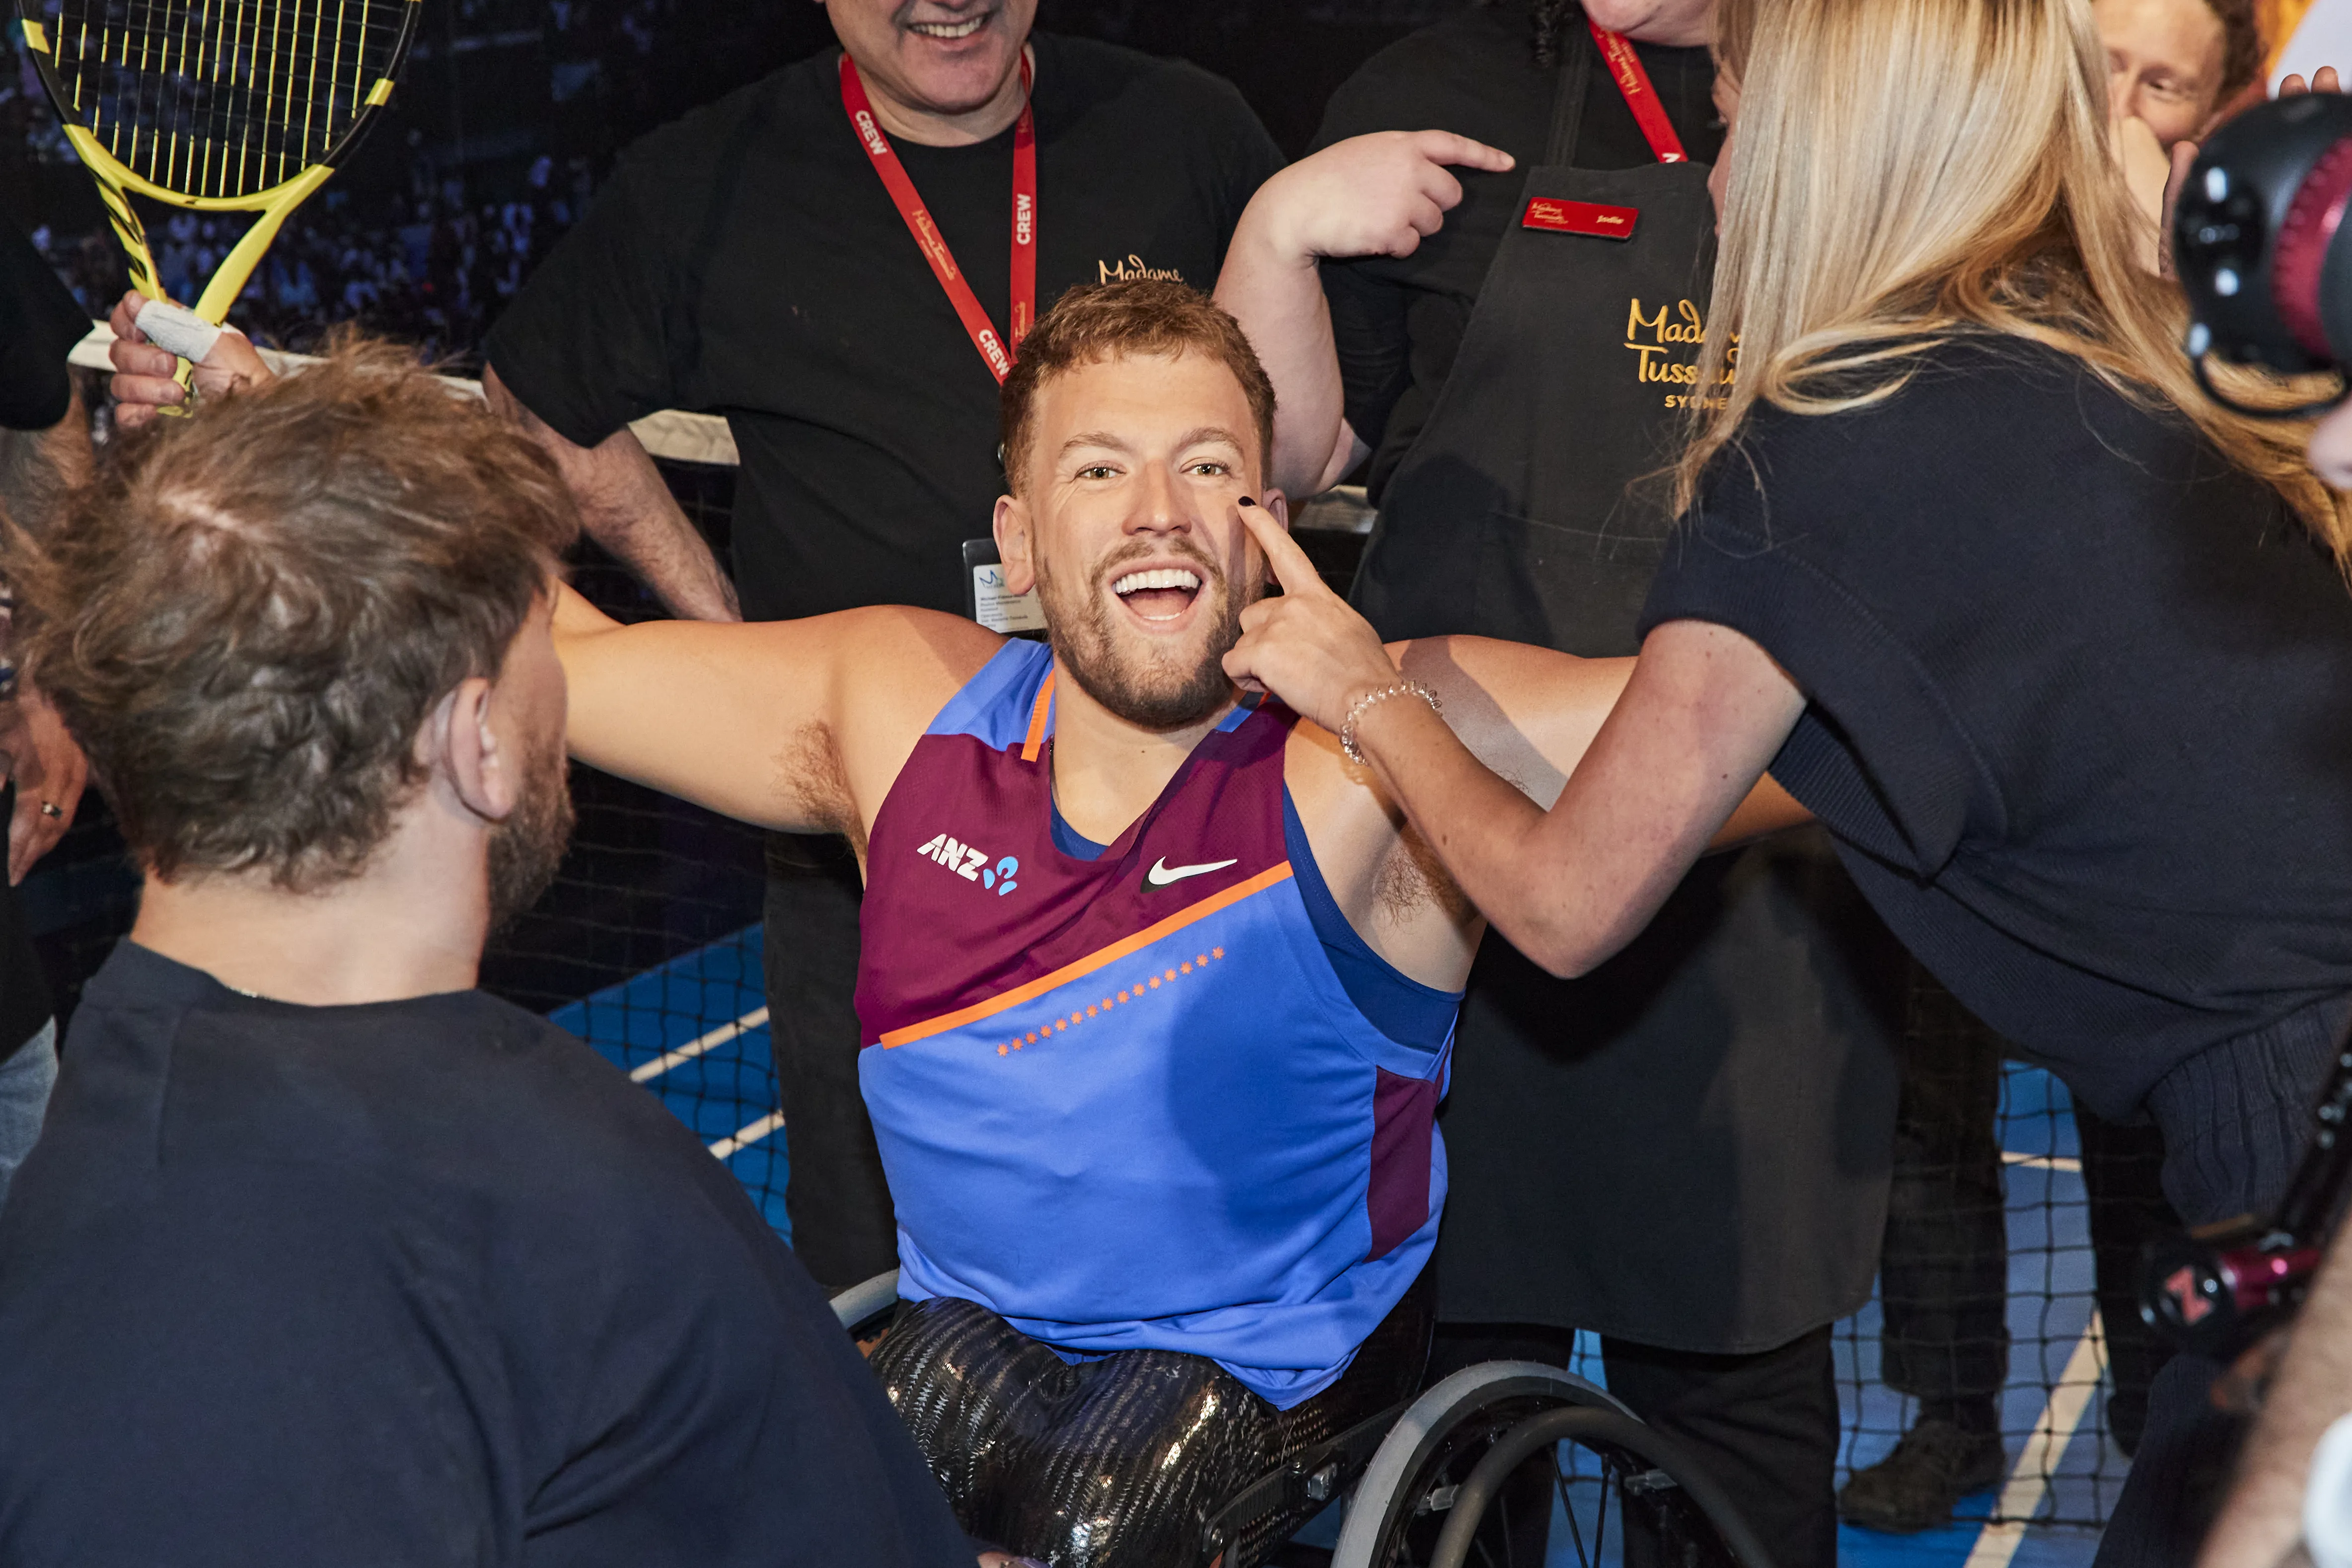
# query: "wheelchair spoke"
{"points": [[1600, 1528], [1575, 1530]]}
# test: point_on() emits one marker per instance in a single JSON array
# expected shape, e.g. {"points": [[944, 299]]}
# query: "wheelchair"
{"points": [[1431, 1483]]}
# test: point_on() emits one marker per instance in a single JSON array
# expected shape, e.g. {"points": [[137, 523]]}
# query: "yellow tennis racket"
{"points": [[216, 105]]}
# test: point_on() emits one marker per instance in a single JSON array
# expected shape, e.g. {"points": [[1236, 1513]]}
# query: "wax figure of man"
{"points": [[44, 451], [751, 260], [324, 1255], [1157, 1001], [1510, 371]]}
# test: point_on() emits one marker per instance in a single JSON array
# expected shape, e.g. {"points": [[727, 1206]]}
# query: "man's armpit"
{"points": [[1411, 878], [815, 784]]}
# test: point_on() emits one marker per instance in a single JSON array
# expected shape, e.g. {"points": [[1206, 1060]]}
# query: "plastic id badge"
{"points": [[1581, 218], [1013, 615]]}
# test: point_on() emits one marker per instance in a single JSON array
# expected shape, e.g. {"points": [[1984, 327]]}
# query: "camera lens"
{"points": [[2258, 237]]}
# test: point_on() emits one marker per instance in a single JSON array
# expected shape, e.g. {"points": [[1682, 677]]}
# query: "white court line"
{"points": [[771, 1123], [750, 1021], [2041, 1161], [2030, 1481]]}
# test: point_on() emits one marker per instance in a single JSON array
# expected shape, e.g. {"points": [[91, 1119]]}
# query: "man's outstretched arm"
{"points": [[795, 725], [1530, 714]]}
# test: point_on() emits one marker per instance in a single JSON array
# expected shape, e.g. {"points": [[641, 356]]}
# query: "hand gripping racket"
{"points": [[217, 106]]}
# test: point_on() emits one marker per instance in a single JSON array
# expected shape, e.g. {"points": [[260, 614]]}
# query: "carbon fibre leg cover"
{"points": [[1116, 1463]]}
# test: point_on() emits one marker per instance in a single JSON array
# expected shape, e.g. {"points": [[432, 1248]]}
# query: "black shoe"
{"points": [[1913, 1489]]}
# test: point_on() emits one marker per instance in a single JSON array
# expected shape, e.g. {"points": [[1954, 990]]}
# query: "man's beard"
{"points": [[1149, 693], [527, 847]]}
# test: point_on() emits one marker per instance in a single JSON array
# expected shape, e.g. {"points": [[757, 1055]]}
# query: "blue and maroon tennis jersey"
{"points": [[1140, 1100]]}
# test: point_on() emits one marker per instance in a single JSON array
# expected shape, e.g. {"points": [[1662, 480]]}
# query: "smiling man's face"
{"points": [[941, 57], [1128, 525]]}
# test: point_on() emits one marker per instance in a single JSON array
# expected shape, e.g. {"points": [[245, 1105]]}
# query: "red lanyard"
{"points": [[1639, 96], [992, 349]]}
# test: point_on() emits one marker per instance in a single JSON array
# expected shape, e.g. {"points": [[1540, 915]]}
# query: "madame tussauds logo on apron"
{"points": [[1659, 336]]}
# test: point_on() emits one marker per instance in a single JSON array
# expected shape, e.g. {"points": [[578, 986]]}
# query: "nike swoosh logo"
{"points": [[1162, 873]]}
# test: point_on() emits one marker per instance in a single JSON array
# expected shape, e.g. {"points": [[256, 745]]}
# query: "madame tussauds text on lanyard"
{"points": [[1529, 506]]}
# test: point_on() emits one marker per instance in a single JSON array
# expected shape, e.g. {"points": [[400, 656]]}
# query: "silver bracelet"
{"points": [[1401, 688]]}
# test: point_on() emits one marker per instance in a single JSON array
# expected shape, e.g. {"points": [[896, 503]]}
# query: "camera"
{"points": [[2261, 245]]}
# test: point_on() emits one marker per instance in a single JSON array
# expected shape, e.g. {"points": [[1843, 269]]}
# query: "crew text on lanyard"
{"points": [[995, 350]]}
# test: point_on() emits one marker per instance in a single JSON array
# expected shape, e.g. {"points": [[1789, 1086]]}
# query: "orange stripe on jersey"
{"points": [[1100, 958], [1037, 720]]}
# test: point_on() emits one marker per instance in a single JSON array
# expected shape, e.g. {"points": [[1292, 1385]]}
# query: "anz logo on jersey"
{"points": [[971, 864]]}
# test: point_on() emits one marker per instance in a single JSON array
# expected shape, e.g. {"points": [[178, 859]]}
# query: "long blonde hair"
{"points": [[1906, 169]]}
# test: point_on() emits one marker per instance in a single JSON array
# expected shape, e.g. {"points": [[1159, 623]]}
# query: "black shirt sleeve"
{"points": [[1769, 553], [603, 332], [41, 327]]}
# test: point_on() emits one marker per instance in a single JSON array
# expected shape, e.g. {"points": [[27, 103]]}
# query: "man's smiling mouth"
{"points": [[951, 30], [1162, 594]]}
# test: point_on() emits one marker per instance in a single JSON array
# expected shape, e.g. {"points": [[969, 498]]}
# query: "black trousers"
{"points": [[1944, 1275], [843, 1225], [1764, 1427]]}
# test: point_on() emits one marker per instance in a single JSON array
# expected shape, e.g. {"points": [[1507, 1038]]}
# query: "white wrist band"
{"points": [[1401, 688]]}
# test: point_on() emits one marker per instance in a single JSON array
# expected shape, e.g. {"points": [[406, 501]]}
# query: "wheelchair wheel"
{"points": [[1458, 1480]]}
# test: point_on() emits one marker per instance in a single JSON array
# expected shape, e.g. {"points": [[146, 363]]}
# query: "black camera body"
{"points": [[2259, 239]]}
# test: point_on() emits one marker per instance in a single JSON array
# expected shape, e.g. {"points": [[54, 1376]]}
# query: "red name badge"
{"points": [[1581, 218]]}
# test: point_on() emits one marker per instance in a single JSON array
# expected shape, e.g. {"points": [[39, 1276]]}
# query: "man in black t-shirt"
{"points": [[750, 261], [325, 1256], [44, 447]]}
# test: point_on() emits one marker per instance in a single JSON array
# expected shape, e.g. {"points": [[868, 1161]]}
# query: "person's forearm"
{"points": [[2261, 1521], [627, 507], [1276, 292], [1552, 883]]}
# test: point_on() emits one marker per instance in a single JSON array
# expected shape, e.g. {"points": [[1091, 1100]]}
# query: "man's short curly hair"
{"points": [[247, 620], [1096, 321]]}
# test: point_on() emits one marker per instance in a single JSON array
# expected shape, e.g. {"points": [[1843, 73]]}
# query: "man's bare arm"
{"points": [[1369, 195], [796, 725], [1527, 716], [628, 510]]}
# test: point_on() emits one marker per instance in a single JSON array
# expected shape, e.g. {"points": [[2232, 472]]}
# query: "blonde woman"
{"points": [[2057, 652]]}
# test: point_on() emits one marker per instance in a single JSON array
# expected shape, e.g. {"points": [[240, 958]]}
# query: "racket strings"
{"points": [[222, 98]]}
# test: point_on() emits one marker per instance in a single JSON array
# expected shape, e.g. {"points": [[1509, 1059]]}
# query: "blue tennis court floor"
{"points": [[694, 1032]]}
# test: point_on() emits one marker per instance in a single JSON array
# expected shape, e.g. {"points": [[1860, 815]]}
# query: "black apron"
{"points": [[1689, 1147], [1532, 505]]}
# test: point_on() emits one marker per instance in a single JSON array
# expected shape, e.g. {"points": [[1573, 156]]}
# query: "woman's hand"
{"points": [[1307, 647], [145, 376]]}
